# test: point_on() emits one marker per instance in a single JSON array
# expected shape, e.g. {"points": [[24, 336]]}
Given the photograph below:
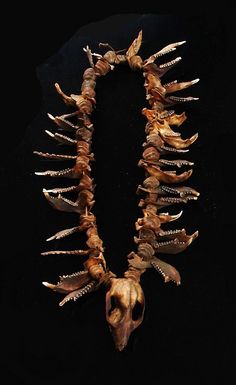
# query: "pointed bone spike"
{"points": [[175, 217], [135, 46], [181, 42], [166, 217], [50, 116], [49, 285], [49, 133]]}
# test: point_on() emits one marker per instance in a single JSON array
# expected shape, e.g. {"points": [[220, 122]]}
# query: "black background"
{"points": [[186, 334]]}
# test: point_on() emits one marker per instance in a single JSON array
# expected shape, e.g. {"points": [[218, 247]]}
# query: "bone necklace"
{"points": [[124, 295]]}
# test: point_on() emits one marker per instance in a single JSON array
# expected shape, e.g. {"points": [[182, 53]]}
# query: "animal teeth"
{"points": [[66, 252], [171, 199], [166, 114], [179, 99], [74, 274], [53, 172], [60, 189], [169, 232], [171, 149], [54, 156], [169, 84], [80, 293], [169, 190], [171, 63], [61, 138]]}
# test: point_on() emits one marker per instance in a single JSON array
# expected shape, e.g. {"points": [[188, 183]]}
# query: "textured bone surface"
{"points": [[121, 299]]}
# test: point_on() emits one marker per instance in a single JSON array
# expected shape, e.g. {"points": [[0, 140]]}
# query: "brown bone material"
{"points": [[125, 302]]}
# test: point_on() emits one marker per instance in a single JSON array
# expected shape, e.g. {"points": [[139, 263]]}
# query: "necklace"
{"points": [[125, 302]]}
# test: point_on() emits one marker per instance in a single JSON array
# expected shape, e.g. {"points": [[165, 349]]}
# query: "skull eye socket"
{"points": [[137, 311], [113, 305]]}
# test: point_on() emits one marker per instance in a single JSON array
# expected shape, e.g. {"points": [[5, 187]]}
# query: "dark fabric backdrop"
{"points": [[185, 334]]}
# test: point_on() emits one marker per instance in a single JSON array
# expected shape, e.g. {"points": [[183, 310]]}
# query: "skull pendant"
{"points": [[125, 304]]}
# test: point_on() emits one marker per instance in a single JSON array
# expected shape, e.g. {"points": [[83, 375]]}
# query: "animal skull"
{"points": [[125, 304]]}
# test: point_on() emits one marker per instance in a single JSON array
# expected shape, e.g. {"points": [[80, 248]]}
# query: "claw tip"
{"points": [[50, 239], [47, 284], [50, 115], [49, 133]]}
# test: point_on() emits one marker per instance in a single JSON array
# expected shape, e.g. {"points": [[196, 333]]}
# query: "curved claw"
{"points": [[166, 217]]}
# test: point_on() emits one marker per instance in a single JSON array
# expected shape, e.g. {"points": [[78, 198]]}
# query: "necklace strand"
{"points": [[124, 296]]}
